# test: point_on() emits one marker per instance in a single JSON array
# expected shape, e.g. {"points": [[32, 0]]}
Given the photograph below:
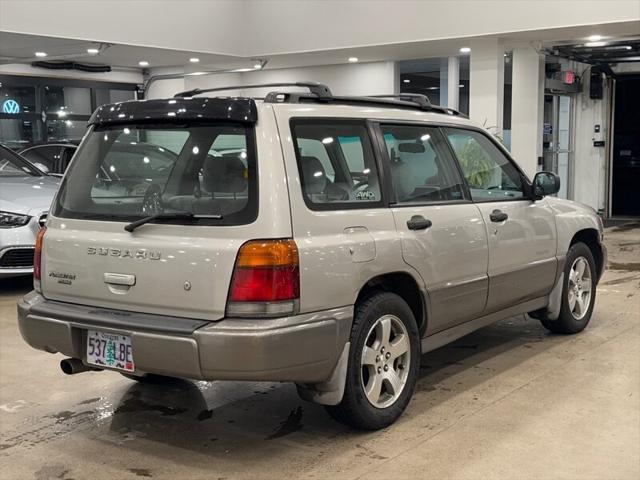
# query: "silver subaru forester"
{"points": [[309, 238]]}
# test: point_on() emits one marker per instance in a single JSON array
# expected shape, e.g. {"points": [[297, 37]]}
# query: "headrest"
{"points": [[314, 178], [224, 175]]}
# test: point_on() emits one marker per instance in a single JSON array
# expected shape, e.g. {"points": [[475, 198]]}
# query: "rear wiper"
{"points": [[167, 216]]}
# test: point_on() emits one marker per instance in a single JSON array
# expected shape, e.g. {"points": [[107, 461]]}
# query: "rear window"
{"points": [[124, 173]]}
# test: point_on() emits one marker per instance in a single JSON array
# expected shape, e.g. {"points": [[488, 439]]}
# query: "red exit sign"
{"points": [[568, 77]]}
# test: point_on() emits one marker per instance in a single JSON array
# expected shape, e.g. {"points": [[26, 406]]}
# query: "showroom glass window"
{"points": [[36, 110], [491, 176], [421, 169], [18, 119], [336, 163]]}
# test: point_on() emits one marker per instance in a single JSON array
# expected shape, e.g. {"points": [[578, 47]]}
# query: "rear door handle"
{"points": [[418, 222], [498, 216]]}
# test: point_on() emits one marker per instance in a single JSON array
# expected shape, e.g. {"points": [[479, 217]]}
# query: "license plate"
{"points": [[110, 350]]}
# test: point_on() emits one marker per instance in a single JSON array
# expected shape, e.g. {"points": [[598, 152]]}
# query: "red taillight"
{"points": [[37, 258], [266, 279], [265, 284]]}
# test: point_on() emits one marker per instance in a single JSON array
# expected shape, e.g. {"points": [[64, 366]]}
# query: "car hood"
{"points": [[27, 195]]}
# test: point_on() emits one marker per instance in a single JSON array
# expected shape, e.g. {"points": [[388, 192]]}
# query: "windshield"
{"points": [[125, 173], [12, 165]]}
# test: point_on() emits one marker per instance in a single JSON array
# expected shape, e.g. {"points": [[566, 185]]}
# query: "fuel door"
{"points": [[360, 243]]}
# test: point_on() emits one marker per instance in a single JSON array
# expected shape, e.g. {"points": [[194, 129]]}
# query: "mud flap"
{"points": [[329, 392]]}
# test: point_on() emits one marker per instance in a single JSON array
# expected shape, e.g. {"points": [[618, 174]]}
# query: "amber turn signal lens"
{"points": [[268, 253], [37, 260]]}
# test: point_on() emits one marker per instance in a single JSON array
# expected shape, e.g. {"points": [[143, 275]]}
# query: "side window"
{"points": [[309, 147], [421, 169], [336, 163], [490, 174]]}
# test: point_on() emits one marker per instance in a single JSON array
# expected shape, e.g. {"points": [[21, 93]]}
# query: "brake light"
{"points": [[37, 259], [266, 279]]}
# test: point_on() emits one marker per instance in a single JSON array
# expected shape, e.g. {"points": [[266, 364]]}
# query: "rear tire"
{"points": [[578, 292], [384, 359]]}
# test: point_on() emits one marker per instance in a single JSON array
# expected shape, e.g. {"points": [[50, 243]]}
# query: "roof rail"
{"points": [[418, 98], [318, 89], [413, 101], [321, 93]]}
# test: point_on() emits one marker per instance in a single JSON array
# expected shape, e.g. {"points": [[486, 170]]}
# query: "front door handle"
{"points": [[418, 222], [498, 216]]}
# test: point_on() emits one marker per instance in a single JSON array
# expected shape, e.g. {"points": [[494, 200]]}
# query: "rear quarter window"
{"points": [[336, 163]]}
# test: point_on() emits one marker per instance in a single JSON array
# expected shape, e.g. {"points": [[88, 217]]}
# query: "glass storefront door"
{"points": [[557, 134]]}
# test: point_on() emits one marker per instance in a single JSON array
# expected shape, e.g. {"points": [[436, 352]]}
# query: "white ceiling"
{"points": [[20, 48]]}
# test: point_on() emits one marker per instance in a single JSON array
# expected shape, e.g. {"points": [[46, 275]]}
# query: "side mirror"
{"points": [[545, 183]]}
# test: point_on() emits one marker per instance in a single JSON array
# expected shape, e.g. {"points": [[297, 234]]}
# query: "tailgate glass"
{"points": [[127, 172]]}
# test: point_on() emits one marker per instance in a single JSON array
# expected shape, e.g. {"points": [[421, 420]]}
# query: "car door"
{"points": [[521, 232], [443, 235]]}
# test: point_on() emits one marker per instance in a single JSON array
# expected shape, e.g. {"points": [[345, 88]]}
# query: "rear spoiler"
{"points": [[177, 110]]}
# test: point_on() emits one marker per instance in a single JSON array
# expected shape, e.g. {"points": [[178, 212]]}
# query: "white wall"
{"points": [[486, 81], [589, 172], [358, 79], [527, 107]]}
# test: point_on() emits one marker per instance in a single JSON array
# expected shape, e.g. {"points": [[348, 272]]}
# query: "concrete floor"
{"points": [[510, 401]]}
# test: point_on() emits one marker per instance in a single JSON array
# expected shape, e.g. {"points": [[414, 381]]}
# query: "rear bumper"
{"points": [[302, 348]]}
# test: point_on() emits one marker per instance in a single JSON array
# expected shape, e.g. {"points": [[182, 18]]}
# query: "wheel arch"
{"points": [[591, 238], [405, 286]]}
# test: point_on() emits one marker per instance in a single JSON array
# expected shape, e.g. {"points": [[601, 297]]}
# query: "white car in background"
{"points": [[25, 196]]}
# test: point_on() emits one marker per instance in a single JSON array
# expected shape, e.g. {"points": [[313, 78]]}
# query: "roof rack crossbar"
{"points": [[318, 89]]}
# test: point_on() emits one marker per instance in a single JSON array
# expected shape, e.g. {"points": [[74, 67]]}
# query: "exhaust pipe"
{"points": [[71, 366]]}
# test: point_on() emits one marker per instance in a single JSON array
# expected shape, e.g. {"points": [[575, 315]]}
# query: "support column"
{"points": [[444, 83], [486, 78], [527, 104], [453, 81]]}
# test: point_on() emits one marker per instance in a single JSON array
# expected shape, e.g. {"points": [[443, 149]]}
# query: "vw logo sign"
{"points": [[10, 106]]}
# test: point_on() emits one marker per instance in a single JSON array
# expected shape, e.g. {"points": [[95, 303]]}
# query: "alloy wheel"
{"points": [[579, 288], [385, 361]]}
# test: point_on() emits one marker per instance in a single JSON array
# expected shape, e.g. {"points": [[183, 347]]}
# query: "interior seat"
{"points": [[223, 189], [316, 184]]}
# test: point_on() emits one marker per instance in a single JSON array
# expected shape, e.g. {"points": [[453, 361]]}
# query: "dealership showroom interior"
{"points": [[327, 239]]}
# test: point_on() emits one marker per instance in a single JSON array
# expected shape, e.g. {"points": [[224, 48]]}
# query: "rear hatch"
{"points": [[181, 175]]}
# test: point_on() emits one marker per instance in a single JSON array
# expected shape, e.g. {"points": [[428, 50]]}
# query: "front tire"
{"points": [[578, 292], [384, 360]]}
